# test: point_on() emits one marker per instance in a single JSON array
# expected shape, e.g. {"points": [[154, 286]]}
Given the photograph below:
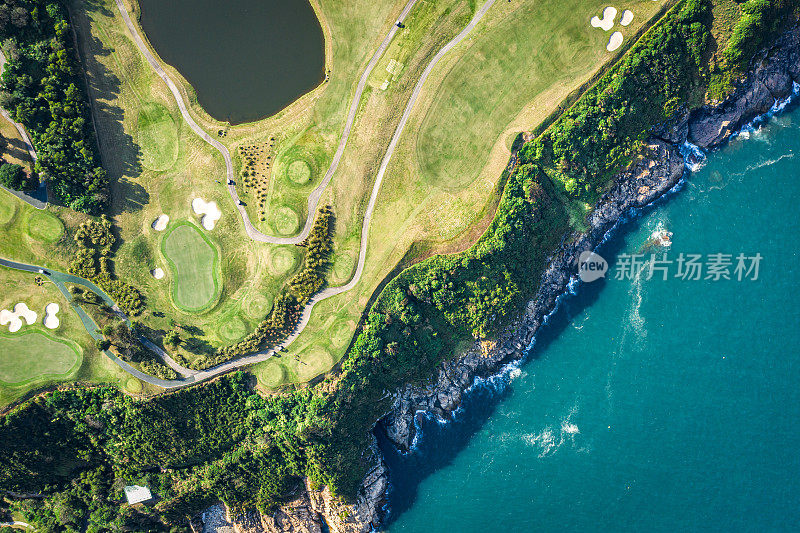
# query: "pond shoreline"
{"points": [[243, 67]]}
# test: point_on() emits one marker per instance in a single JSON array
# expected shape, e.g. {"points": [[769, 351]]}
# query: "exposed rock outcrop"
{"points": [[658, 170], [316, 510]]}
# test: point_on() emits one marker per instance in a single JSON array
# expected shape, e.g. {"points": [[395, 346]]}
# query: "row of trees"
{"points": [[289, 304], [43, 90]]}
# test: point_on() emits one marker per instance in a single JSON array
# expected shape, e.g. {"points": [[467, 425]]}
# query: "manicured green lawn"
{"points": [[32, 354], [287, 222], [299, 172], [282, 261], [233, 329], [44, 226], [193, 261], [158, 137], [541, 45], [7, 209]]}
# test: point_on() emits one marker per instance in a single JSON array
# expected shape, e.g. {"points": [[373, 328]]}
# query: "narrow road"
{"points": [[316, 194], [193, 376], [16, 524]]}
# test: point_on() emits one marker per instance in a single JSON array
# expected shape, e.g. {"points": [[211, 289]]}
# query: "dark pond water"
{"points": [[246, 59]]}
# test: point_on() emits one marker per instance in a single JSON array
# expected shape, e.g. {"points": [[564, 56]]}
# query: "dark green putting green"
{"points": [[193, 261], [44, 226], [33, 354]]}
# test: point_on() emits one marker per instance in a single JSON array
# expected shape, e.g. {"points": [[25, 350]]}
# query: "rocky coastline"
{"points": [[774, 75]]}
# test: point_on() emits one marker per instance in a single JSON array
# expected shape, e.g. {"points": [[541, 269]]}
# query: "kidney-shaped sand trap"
{"points": [[627, 17], [208, 211], [14, 318], [615, 41], [160, 224], [51, 321], [607, 22]]}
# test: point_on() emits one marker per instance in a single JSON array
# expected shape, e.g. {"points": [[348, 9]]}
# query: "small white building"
{"points": [[137, 494]]}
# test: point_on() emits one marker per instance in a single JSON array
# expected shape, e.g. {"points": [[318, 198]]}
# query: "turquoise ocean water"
{"points": [[645, 405]]}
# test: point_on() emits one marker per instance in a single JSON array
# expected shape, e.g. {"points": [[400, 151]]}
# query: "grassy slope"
{"points": [[16, 152]]}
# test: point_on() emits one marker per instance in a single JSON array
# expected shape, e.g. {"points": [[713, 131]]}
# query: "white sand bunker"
{"points": [[160, 224], [607, 22], [615, 41], [51, 321], [14, 318], [208, 211], [157, 273], [627, 17]]}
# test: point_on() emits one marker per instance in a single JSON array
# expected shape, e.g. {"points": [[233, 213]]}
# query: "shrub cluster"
{"points": [[760, 21], [14, 177], [93, 261], [42, 89]]}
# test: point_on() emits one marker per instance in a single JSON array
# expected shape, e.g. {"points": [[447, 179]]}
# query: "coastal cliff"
{"points": [[660, 166]]}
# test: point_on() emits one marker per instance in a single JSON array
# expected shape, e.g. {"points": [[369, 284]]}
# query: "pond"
{"points": [[246, 59]]}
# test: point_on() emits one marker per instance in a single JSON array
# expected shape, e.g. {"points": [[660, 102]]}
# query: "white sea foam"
{"points": [[568, 428], [754, 126], [693, 156], [546, 439]]}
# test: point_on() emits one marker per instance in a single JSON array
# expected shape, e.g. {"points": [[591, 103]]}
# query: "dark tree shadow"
{"points": [[119, 152], [17, 149], [193, 330], [198, 346], [131, 195]]}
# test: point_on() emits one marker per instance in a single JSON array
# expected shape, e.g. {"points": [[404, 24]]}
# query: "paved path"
{"points": [[316, 194], [16, 523], [192, 376]]}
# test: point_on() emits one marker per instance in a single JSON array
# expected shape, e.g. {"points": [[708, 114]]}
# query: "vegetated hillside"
{"points": [[223, 441], [43, 90]]}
